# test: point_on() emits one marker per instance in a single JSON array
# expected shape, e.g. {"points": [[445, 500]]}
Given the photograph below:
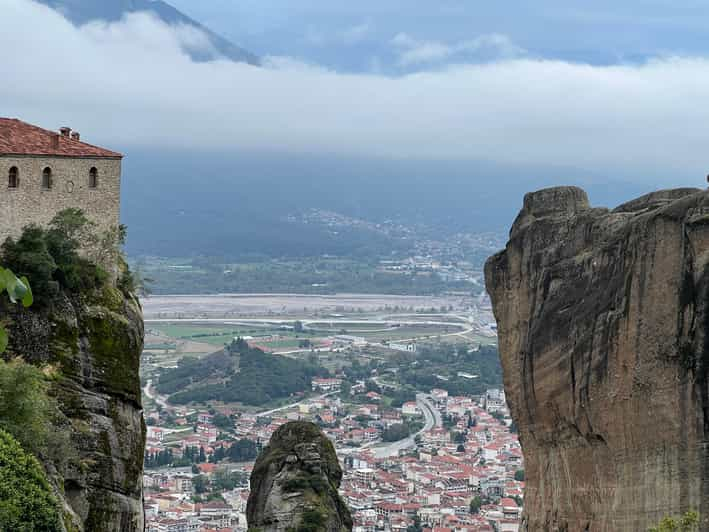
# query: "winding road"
{"points": [[433, 419], [154, 396]]}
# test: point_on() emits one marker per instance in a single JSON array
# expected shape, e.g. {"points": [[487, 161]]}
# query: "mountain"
{"points": [[243, 199], [82, 11], [603, 323]]}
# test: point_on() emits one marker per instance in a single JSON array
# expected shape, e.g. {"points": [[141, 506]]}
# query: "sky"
{"points": [[615, 89], [363, 35]]}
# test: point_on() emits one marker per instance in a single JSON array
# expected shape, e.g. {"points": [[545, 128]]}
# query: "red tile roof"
{"points": [[21, 138]]}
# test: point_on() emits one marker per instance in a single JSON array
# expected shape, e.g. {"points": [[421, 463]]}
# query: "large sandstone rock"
{"points": [[294, 484], [93, 342], [603, 319]]}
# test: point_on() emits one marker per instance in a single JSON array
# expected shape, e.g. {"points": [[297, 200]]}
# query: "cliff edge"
{"points": [[603, 322], [294, 484], [91, 343]]}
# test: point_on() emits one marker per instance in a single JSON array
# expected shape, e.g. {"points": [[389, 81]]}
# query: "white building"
{"points": [[494, 401], [326, 385], [410, 409], [408, 348]]}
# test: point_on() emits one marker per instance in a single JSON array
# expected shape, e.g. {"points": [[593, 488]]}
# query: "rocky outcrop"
{"points": [[603, 322], [91, 344], [294, 484]]}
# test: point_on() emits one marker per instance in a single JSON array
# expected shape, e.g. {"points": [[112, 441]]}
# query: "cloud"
{"points": [[131, 84], [349, 36], [356, 34], [490, 46]]}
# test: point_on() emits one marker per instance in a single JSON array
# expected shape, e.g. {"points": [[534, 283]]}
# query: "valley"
{"points": [[388, 378]]}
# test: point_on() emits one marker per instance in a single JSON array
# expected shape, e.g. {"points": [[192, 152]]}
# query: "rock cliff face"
{"points": [[94, 343], [294, 484], [603, 321]]}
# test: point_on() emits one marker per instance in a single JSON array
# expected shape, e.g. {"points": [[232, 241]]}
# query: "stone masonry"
{"points": [[27, 152], [30, 203]]}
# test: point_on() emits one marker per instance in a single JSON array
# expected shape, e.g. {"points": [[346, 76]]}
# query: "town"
{"points": [[440, 462]]}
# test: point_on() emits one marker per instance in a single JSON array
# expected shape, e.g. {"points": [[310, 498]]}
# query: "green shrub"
{"points": [[24, 405], [689, 522], [295, 484], [26, 501], [27, 412], [312, 521], [50, 258], [30, 257]]}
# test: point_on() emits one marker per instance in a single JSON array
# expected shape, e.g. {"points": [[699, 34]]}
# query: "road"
{"points": [[433, 419], [462, 329], [147, 390], [306, 322], [291, 405], [153, 396]]}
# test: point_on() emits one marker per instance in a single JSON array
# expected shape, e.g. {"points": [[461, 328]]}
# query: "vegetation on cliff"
{"points": [[689, 522], [26, 500], [69, 387]]}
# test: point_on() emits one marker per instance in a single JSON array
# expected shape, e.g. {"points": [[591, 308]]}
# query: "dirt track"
{"points": [[270, 304]]}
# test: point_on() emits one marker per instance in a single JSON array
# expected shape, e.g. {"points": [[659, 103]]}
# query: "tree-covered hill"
{"points": [[238, 373]]}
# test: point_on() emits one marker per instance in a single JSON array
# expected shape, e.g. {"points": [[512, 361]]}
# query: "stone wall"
{"points": [[31, 203]]}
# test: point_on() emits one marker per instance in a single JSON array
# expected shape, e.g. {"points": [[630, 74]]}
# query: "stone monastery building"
{"points": [[43, 172]]}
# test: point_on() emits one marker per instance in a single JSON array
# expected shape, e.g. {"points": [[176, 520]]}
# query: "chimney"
{"points": [[75, 135], [55, 141], [65, 131]]}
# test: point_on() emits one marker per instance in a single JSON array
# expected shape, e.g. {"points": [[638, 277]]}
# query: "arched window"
{"points": [[93, 177], [47, 178], [13, 178]]}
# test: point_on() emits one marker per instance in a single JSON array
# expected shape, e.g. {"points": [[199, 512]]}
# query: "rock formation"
{"points": [[93, 342], [294, 484], [603, 322]]}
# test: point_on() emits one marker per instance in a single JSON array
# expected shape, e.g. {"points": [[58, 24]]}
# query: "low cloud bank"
{"points": [[132, 83]]}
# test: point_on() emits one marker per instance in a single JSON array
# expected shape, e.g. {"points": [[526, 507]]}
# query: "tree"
{"points": [[25, 408], [26, 500], [222, 421], [52, 259], [471, 422], [461, 448], [519, 475], [242, 450], [223, 480], [202, 455], [395, 433], [689, 522], [416, 527], [199, 483], [475, 505]]}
